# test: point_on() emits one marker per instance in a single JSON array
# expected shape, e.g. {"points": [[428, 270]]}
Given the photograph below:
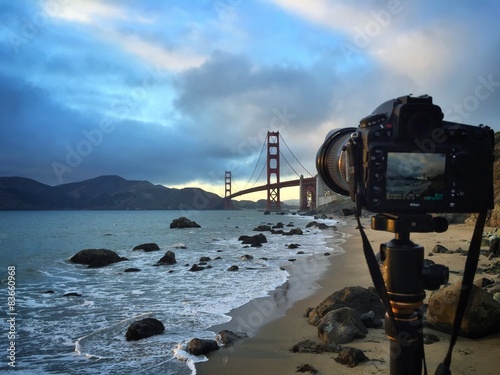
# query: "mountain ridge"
{"points": [[109, 192]]}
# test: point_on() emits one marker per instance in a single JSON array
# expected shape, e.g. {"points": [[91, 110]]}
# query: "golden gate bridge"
{"points": [[307, 191]]}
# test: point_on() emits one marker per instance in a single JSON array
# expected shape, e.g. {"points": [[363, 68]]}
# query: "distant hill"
{"points": [[102, 193]]}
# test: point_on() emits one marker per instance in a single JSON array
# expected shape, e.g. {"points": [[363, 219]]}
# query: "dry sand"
{"points": [[276, 323]]}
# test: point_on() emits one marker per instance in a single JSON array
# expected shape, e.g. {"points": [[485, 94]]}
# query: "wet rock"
{"points": [[228, 338], [233, 268], [262, 228], [293, 232], [72, 294], [144, 328], [370, 320], [131, 270], [359, 298], [306, 368], [147, 247], [430, 338], [96, 257], [341, 326], [440, 249], [196, 268], [247, 257], [351, 357], [205, 259], [201, 347], [183, 222], [253, 241], [167, 259], [348, 211]]}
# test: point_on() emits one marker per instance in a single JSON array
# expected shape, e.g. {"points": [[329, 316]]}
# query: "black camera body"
{"points": [[405, 159]]}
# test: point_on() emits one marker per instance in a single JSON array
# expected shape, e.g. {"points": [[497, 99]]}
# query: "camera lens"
{"points": [[332, 162]]}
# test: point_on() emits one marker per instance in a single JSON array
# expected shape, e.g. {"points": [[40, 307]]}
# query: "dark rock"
{"points": [[144, 328], [233, 268], [293, 246], [205, 259], [96, 257], [262, 228], [167, 259], [247, 257], [306, 368], [348, 211], [267, 213], [183, 222], [132, 270], [254, 241], [351, 357], [228, 338], [310, 346], [492, 269], [72, 294], [201, 347], [292, 260], [483, 282], [341, 326], [326, 254], [359, 298], [430, 338], [495, 247], [482, 316], [147, 247], [440, 249], [294, 231], [317, 225], [370, 320], [48, 292], [278, 226], [195, 268]]}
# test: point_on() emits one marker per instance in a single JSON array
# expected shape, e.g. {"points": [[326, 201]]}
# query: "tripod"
{"points": [[405, 276]]}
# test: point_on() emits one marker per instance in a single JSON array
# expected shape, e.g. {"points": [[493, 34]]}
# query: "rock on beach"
{"points": [[96, 257]]}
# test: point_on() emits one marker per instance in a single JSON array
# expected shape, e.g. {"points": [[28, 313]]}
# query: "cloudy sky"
{"points": [[176, 92]]}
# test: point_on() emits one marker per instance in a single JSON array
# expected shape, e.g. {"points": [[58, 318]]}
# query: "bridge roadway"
{"points": [[282, 184]]}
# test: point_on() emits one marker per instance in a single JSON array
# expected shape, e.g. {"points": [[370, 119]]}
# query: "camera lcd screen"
{"points": [[415, 176]]}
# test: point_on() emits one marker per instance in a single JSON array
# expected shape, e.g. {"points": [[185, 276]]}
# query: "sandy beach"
{"points": [[275, 323]]}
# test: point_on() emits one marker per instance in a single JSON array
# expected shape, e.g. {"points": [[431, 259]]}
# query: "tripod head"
{"points": [[400, 224]]}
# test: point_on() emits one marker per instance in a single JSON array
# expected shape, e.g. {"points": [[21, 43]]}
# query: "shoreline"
{"points": [[303, 282], [282, 323]]}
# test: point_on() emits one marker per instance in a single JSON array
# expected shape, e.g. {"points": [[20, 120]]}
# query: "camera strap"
{"points": [[376, 275], [467, 281]]}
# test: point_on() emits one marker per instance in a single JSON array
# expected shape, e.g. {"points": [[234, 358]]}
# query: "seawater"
{"points": [[57, 334]]}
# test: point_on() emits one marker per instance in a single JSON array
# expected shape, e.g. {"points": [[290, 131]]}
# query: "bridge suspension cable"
{"points": [[256, 165], [288, 148]]}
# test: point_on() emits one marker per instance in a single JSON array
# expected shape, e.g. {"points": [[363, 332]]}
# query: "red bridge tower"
{"points": [[273, 171]]}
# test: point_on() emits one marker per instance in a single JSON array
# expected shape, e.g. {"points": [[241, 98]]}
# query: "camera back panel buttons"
{"points": [[377, 158]]}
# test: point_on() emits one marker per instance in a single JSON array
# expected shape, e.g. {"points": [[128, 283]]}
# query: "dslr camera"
{"points": [[404, 159]]}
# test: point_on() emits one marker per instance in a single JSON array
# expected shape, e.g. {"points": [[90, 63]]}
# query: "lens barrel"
{"points": [[331, 160]]}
